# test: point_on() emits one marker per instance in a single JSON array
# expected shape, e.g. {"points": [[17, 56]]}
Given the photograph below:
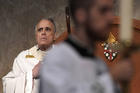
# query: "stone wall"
{"points": [[17, 21]]}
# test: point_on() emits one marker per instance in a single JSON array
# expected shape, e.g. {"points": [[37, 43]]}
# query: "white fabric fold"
{"points": [[19, 79], [29, 82]]}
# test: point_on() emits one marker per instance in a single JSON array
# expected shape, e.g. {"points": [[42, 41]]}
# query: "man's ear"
{"points": [[80, 16], [55, 38]]}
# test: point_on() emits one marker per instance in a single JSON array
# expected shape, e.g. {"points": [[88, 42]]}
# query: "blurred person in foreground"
{"points": [[24, 76], [72, 67]]}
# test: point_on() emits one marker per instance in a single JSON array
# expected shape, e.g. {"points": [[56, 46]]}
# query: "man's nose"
{"points": [[43, 32]]}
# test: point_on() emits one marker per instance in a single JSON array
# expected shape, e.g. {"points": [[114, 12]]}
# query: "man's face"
{"points": [[99, 19], [45, 33]]}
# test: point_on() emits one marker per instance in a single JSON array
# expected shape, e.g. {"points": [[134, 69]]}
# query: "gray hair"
{"points": [[49, 19]]}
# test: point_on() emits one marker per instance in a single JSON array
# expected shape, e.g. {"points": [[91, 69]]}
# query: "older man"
{"points": [[24, 76]]}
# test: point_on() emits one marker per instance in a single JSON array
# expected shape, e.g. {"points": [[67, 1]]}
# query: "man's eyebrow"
{"points": [[48, 27], [40, 28], [44, 27]]}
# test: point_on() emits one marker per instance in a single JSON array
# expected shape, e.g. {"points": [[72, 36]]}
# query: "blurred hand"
{"points": [[122, 71], [35, 70]]}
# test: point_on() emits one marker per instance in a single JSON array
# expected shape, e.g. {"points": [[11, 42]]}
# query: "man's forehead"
{"points": [[104, 2], [44, 23]]}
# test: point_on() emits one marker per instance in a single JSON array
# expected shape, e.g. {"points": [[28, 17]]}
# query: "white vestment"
{"points": [[19, 79]]}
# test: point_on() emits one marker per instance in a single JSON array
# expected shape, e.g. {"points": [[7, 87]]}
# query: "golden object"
{"points": [[111, 39], [111, 47], [30, 56]]}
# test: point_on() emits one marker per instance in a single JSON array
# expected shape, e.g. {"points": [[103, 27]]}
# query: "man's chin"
{"points": [[44, 44], [102, 38], [104, 35], [99, 35]]}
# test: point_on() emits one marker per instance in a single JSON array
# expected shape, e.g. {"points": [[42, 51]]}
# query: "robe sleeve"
{"points": [[18, 80]]}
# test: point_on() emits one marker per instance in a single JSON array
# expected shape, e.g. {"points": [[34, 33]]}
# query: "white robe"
{"points": [[19, 79]]}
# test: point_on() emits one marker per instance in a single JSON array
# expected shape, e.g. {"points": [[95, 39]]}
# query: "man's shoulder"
{"points": [[59, 47], [61, 56], [26, 52], [62, 49], [22, 54]]}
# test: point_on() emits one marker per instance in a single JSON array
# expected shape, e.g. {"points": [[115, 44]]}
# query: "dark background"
{"points": [[17, 21]]}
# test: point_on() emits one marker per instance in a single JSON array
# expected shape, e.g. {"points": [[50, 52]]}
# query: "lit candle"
{"points": [[126, 28]]}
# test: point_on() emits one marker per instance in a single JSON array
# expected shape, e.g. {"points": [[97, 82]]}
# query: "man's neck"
{"points": [[44, 48], [80, 35]]}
